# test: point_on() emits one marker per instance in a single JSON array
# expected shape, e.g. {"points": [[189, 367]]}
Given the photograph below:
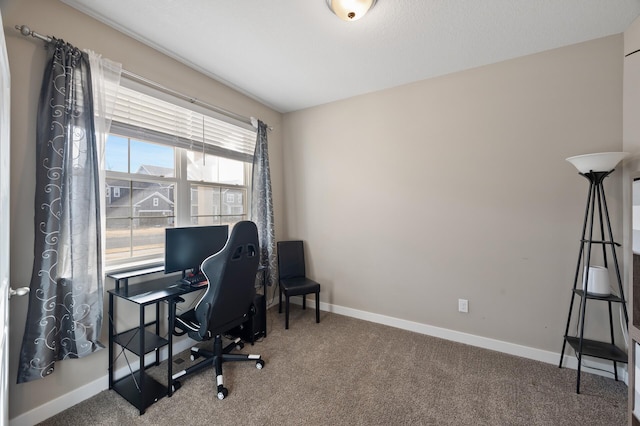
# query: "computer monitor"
{"points": [[185, 248]]}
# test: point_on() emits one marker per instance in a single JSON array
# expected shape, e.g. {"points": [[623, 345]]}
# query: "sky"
{"points": [[220, 170], [141, 153]]}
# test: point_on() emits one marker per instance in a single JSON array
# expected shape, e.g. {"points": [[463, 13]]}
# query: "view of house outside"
{"points": [[140, 194]]}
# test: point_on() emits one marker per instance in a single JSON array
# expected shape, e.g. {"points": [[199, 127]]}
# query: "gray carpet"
{"points": [[345, 371]]}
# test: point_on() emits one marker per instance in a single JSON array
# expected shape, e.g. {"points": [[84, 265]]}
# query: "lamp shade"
{"points": [[350, 10], [597, 162]]}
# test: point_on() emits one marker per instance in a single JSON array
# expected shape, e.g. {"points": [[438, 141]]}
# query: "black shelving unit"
{"points": [[140, 389], [596, 206]]}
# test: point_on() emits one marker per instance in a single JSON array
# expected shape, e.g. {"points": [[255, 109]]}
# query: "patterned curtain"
{"points": [[262, 204], [65, 304]]}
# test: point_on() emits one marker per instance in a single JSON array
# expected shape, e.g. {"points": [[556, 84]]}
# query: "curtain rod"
{"points": [[26, 31]]}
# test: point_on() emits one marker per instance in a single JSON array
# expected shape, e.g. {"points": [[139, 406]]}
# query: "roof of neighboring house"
{"points": [[139, 195], [155, 194], [147, 169]]}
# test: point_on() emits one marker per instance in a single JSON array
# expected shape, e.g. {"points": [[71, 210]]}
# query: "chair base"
{"points": [[216, 358]]}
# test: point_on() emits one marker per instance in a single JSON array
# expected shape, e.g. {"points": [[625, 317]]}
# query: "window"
{"points": [[168, 165]]}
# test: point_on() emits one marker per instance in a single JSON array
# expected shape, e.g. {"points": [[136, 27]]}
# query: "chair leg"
{"points": [[304, 301], [206, 363], [286, 314], [217, 361], [279, 299], [317, 308]]}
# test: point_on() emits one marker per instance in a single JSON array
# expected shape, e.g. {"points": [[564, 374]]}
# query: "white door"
{"points": [[5, 105], [5, 291]]}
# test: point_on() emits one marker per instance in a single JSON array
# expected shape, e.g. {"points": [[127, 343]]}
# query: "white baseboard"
{"points": [[602, 368], [68, 400], [60, 403], [594, 366]]}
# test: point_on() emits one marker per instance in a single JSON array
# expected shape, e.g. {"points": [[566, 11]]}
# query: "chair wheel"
{"points": [[223, 393], [259, 364], [175, 386], [239, 346]]}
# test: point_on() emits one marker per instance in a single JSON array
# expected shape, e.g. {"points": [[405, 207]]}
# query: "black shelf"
{"points": [[149, 292], [608, 297], [131, 341], [596, 215], [127, 387], [601, 242], [598, 349]]}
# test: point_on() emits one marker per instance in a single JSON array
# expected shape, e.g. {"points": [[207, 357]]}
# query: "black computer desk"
{"points": [[137, 387]]}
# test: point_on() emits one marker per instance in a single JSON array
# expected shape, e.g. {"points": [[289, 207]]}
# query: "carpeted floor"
{"points": [[345, 371]]}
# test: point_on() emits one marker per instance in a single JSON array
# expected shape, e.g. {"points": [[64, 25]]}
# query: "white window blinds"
{"points": [[138, 115]]}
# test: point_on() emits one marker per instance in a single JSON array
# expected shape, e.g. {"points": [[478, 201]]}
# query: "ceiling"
{"points": [[294, 54]]}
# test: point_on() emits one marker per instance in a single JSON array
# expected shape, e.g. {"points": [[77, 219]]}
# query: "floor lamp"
{"points": [[595, 167]]}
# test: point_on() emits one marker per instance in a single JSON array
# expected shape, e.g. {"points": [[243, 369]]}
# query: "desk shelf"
{"points": [[123, 277], [127, 387], [131, 341]]}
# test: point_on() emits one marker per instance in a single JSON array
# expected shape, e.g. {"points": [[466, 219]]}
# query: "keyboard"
{"points": [[196, 280]]}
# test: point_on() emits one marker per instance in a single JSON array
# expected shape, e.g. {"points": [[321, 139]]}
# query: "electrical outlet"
{"points": [[463, 305]]}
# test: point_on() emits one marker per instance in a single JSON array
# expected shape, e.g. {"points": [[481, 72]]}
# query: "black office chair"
{"points": [[226, 303], [292, 277]]}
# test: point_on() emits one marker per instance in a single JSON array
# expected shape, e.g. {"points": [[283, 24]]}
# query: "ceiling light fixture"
{"points": [[350, 10]]}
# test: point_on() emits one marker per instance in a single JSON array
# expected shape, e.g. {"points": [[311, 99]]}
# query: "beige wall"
{"points": [[408, 199], [457, 187], [26, 57]]}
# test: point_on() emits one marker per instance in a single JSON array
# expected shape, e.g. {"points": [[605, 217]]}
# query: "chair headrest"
{"points": [[244, 231]]}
